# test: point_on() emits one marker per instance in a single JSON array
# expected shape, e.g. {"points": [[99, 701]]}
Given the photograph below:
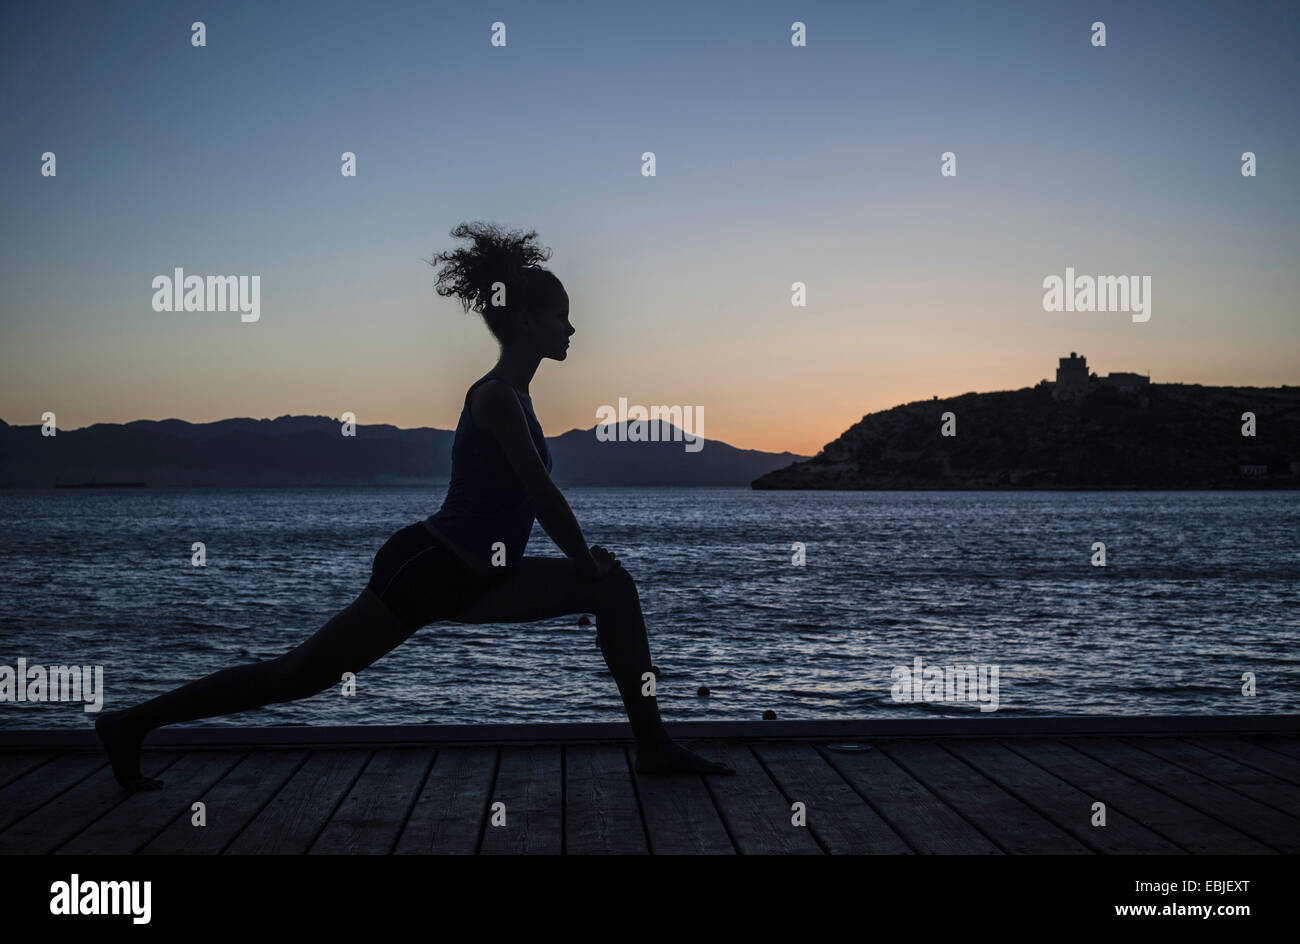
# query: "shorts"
{"points": [[421, 581]]}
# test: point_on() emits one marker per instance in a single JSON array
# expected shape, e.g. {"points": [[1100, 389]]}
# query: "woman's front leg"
{"points": [[543, 588]]}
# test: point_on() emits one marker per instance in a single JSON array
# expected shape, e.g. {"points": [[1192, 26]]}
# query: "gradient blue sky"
{"points": [[775, 164]]}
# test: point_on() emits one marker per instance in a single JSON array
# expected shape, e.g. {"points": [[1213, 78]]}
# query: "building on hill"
{"points": [[1073, 379], [1129, 383]]}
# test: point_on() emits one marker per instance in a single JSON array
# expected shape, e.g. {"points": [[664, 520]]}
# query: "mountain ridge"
{"points": [[310, 450]]}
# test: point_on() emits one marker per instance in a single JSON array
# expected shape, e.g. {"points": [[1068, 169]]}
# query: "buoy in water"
{"points": [[703, 691], [584, 620], [769, 715]]}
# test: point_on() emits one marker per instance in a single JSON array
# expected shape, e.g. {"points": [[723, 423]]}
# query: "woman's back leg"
{"points": [[359, 634]]}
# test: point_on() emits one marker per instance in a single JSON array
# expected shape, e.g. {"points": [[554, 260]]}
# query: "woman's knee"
{"points": [[617, 588]]}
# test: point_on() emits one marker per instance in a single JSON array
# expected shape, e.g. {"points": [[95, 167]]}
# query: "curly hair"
{"points": [[510, 257]]}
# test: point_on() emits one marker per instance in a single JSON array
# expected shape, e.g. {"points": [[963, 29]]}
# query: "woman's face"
{"points": [[549, 329]]}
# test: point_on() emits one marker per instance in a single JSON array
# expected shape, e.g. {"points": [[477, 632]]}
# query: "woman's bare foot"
{"points": [[122, 744], [671, 758]]}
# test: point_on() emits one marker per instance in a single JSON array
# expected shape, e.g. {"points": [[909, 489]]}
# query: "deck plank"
{"points": [[231, 804], [842, 822], [1290, 746], [1253, 783], [601, 814], [1061, 802], [1189, 828], [927, 823], [370, 818], [15, 764], [1250, 817], [1252, 754], [1017, 828], [297, 813], [530, 785], [756, 813], [448, 816], [39, 786], [61, 818], [137, 819], [680, 816]]}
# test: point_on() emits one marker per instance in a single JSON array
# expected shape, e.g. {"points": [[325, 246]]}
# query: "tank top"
{"points": [[485, 501]]}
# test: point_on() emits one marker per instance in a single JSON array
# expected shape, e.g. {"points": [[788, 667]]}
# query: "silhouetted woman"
{"points": [[465, 563]]}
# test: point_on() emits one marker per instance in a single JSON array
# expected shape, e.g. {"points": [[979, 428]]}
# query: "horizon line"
{"points": [[594, 426]]}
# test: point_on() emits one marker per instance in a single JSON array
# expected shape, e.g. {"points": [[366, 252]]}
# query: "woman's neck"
{"points": [[516, 368]]}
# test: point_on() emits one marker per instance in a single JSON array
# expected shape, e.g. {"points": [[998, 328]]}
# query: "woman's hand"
{"points": [[602, 563]]}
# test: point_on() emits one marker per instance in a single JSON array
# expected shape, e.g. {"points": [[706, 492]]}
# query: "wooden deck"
{"points": [[988, 787]]}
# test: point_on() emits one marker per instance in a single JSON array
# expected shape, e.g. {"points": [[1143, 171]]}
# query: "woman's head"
{"points": [[500, 276]]}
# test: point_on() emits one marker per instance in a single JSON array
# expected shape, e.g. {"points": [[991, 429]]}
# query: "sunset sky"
{"points": [[775, 164]]}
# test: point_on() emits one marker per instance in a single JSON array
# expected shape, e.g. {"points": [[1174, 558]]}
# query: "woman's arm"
{"points": [[494, 407]]}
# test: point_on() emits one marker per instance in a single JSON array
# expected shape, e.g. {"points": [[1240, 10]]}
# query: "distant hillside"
{"points": [[1165, 436], [310, 450]]}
